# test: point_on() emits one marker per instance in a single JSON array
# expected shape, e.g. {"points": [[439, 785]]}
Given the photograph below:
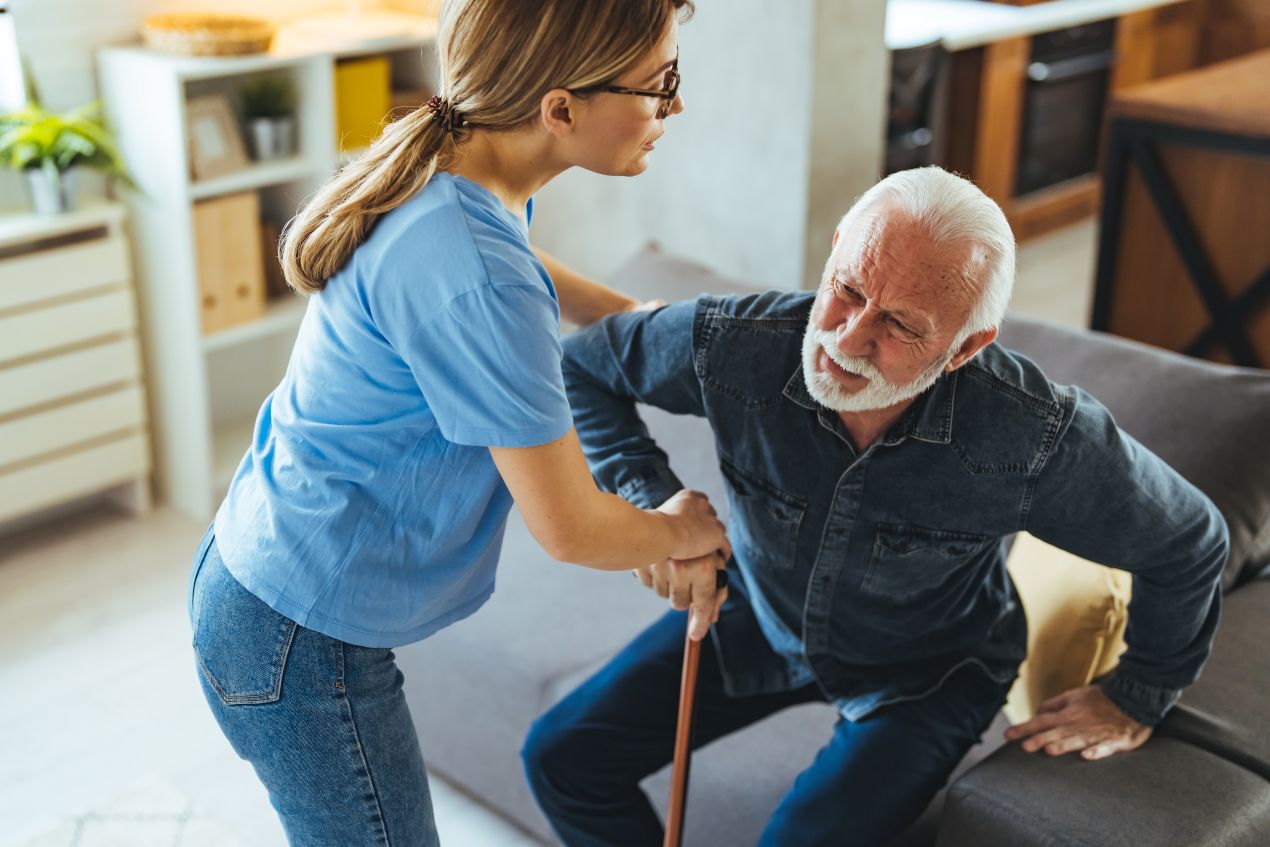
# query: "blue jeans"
{"points": [[324, 723], [586, 756]]}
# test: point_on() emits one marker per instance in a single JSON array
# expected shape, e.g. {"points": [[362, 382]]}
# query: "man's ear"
{"points": [[972, 345], [557, 111]]}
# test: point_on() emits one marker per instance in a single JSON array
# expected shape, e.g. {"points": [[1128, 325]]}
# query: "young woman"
{"points": [[423, 396]]}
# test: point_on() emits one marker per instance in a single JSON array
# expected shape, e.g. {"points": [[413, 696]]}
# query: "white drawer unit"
{"points": [[73, 419]]}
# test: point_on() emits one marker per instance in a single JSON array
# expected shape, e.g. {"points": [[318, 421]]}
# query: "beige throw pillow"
{"points": [[1076, 612]]}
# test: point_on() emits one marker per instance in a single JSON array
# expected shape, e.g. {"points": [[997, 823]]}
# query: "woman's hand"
{"points": [[701, 530], [693, 584]]}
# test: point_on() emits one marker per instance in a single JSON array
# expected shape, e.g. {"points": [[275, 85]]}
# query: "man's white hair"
{"points": [[953, 210]]}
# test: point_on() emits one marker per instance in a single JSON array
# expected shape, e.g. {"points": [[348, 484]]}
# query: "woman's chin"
{"points": [[639, 164], [631, 167]]}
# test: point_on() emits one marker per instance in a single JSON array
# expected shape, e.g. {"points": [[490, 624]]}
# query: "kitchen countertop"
{"points": [[1230, 97], [962, 24]]}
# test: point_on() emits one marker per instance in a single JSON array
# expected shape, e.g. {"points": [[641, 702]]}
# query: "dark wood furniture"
{"points": [[1184, 257]]}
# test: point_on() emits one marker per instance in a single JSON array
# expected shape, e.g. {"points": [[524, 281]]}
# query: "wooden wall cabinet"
{"points": [[1233, 28]]}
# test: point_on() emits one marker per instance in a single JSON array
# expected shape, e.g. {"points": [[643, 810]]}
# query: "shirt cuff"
{"points": [[1145, 703], [650, 489]]}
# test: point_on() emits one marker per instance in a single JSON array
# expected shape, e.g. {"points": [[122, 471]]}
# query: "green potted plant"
{"points": [[269, 107], [48, 147]]}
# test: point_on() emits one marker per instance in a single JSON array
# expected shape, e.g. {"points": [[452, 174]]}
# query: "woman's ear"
{"points": [[557, 111]]}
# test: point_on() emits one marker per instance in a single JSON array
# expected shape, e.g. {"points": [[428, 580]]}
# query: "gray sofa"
{"points": [[1203, 780]]}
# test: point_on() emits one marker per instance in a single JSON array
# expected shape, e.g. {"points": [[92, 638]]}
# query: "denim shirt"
{"points": [[876, 573]]}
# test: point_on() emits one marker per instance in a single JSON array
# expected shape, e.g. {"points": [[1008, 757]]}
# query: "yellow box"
{"points": [[363, 98]]}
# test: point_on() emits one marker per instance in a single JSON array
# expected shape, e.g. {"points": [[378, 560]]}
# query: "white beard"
{"points": [[877, 394]]}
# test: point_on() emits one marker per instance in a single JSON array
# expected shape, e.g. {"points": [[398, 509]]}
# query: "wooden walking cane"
{"points": [[683, 734]]}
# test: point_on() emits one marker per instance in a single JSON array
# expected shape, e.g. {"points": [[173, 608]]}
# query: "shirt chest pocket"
{"points": [[908, 561], [765, 520]]}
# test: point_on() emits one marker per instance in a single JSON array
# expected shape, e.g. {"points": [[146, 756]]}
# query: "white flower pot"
{"points": [[51, 195], [272, 138]]}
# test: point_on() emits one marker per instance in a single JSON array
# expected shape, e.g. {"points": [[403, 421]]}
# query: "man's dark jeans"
{"points": [[586, 757]]}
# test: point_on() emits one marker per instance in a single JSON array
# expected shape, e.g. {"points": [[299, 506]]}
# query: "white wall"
{"points": [[59, 37], [783, 129], [848, 126]]}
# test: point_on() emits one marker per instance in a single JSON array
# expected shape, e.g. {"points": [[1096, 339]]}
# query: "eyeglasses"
{"points": [[668, 92]]}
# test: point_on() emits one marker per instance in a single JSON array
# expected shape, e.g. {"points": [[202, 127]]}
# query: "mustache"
{"points": [[827, 341]]}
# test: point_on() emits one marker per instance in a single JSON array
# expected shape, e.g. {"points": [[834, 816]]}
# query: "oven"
{"points": [[1068, 76]]}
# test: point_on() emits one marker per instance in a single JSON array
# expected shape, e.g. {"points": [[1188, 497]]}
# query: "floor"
{"points": [[97, 689], [1055, 276], [99, 693]]}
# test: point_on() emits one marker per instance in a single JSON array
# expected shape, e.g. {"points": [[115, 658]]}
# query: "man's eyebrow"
{"points": [[910, 319]]}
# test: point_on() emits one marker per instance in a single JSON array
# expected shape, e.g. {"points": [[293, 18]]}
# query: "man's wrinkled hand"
{"points": [[689, 584], [1084, 720]]}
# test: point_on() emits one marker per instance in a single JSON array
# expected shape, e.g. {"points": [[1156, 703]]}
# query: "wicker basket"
{"points": [[207, 34]]}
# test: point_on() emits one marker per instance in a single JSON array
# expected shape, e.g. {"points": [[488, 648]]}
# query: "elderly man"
{"points": [[878, 449]]}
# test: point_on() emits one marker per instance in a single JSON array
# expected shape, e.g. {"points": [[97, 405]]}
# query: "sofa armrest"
{"points": [[1166, 794]]}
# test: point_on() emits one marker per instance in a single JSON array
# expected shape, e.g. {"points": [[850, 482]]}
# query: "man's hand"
{"points": [[647, 306], [689, 584], [1082, 719]]}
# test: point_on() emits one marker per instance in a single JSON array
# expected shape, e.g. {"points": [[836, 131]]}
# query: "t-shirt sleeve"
{"points": [[488, 364]]}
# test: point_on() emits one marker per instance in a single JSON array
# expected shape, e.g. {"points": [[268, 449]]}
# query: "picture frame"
{"points": [[215, 141]]}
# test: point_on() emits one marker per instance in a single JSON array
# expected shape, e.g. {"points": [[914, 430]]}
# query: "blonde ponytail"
{"points": [[322, 237]]}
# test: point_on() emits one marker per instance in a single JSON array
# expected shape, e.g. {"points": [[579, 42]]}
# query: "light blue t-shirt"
{"points": [[368, 507]]}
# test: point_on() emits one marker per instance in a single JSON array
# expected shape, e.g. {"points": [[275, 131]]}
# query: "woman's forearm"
{"points": [[576, 522], [615, 535], [582, 300]]}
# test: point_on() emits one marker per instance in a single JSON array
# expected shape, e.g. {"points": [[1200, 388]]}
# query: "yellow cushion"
{"points": [[1076, 613]]}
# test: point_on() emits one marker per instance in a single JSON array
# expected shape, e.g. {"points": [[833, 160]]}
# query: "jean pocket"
{"points": [[910, 561], [765, 520], [241, 644]]}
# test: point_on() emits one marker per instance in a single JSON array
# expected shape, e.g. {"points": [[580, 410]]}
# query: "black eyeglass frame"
{"points": [[667, 94]]}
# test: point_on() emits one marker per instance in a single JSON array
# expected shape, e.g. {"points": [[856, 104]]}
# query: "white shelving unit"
{"points": [[206, 390]]}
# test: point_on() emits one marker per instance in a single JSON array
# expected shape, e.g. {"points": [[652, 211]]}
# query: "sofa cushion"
{"points": [[1208, 421], [1165, 794], [1077, 611], [1226, 711]]}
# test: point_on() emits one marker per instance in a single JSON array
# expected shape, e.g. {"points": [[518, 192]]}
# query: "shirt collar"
{"points": [[928, 419]]}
